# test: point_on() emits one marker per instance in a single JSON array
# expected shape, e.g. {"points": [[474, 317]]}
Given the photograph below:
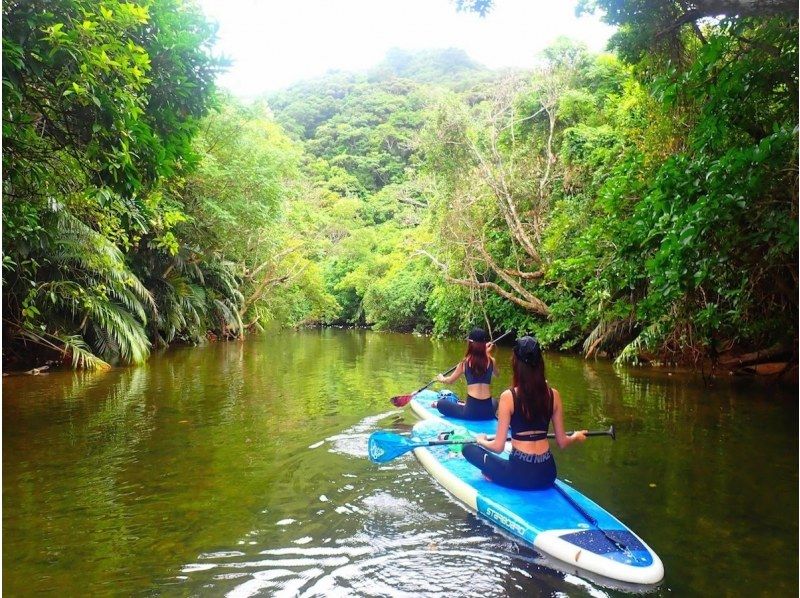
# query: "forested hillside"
{"points": [[640, 203]]}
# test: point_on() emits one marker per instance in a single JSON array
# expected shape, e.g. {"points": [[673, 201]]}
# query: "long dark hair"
{"points": [[532, 390], [476, 357]]}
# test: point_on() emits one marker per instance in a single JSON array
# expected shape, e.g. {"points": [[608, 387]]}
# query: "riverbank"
{"points": [[731, 367], [764, 365]]}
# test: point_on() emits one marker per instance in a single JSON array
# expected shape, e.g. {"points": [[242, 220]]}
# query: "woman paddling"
{"points": [[478, 367], [527, 408]]}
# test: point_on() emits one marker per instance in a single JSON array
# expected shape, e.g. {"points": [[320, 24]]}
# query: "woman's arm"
{"points": [[503, 420], [454, 376], [489, 349], [558, 425]]}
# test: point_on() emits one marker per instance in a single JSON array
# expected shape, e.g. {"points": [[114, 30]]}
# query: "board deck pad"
{"points": [[541, 518]]}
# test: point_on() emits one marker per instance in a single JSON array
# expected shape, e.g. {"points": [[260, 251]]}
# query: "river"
{"points": [[240, 469]]}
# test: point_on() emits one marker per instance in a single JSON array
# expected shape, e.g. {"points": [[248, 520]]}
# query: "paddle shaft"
{"points": [[416, 392], [609, 432], [452, 369], [384, 445], [620, 546]]}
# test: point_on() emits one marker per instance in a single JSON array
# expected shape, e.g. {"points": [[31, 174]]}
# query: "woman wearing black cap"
{"points": [[478, 367], [527, 408]]}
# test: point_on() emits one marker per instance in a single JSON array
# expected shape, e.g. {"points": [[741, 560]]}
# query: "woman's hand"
{"points": [[579, 435], [489, 346], [481, 440], [440, 378]]}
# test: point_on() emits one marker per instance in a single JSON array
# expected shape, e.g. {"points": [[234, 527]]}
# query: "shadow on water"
{"points": [[240, 469]]}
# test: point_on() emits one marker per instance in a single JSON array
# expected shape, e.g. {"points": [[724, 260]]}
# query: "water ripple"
{"points": [[408, 565], [353, 441], [404, 538]]}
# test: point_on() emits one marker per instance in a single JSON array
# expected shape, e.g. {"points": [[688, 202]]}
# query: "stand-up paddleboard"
{"points": [[544, 519]]}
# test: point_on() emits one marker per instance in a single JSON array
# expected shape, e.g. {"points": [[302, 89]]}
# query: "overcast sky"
{"points": [[274, 43]]}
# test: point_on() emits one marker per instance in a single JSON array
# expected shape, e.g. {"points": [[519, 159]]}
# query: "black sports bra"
{"points": [[521, 426], [473, 378]]}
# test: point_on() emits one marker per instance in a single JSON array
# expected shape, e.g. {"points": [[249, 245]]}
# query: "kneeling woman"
{"points": [[478, 367], [527, 408]]}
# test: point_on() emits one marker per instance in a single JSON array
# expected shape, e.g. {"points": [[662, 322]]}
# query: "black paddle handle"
{"points": [[610, 432]]}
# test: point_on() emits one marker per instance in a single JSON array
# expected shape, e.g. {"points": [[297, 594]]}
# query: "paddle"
{"points": [[384, 446], [620, 546], [403, 400]]}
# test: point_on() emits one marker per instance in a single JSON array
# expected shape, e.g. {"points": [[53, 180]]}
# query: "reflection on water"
{"points": [[240, 469]]}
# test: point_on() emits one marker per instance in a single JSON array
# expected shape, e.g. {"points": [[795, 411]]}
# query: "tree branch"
{"points": [[530, 302], [742, 8]]}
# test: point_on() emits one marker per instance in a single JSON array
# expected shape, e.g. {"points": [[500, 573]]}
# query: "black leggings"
{"points": [[521, 470], [473, 409]]}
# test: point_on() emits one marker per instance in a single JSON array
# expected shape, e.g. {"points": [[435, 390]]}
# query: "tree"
{"points": [[499, 161], [100, 103]]}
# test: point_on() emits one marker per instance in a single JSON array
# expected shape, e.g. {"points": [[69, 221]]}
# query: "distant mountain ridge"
{"points": [[403, 75], [427, 66]]}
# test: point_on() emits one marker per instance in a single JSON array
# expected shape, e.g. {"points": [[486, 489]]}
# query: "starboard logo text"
{"points": [[505, 521]]}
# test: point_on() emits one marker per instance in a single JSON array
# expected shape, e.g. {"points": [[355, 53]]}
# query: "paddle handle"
{"points": [[610, 432]]}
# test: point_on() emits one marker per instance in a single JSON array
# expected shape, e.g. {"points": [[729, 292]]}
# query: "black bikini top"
{"points": [[521, 426]]}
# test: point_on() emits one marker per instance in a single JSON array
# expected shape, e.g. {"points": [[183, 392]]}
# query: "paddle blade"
{"points": [[384, 446], [401, 400]]}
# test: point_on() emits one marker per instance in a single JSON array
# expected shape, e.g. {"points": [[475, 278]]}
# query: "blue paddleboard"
{"points": [[543, 519]]}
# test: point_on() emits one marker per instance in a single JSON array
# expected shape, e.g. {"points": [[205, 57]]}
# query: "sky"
{"points": [[274, 43]]}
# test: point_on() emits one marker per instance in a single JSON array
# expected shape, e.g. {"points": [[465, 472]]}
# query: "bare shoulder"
{"points": [[506, 402], [556, 396]]}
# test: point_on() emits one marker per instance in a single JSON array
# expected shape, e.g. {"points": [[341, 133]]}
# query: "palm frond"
{"points": [[644, 342], [130, 301], [83, 254], [82, 356], [105, 343], [122, 327], [229, 315], [72, 345]]}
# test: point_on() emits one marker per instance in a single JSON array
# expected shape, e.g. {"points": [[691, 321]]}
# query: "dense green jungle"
{"points": [[639, 204]]}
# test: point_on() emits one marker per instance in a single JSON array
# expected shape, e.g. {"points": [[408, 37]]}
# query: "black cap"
{"points": [[478, 335], [527, 350]]}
